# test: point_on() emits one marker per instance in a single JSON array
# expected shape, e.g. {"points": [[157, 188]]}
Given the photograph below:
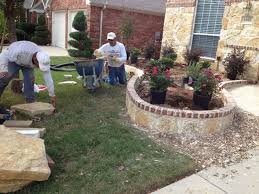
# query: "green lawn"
{"points": [[94, 147]]}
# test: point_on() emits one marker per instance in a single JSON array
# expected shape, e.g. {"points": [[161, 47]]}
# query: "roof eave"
{"points": [[150, 12]]}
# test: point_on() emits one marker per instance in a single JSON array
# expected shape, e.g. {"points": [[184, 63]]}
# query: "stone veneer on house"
{"points": [[170, 120], [235, 34], [178, 25]]}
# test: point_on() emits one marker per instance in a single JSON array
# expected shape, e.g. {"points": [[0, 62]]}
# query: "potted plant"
{"points": [[158, 73], [193, 71], [235, 63], [205, 87], [134, 54]]}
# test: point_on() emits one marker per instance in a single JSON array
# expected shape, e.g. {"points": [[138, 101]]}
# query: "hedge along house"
{"points": [[216, 27], [104, 16]]}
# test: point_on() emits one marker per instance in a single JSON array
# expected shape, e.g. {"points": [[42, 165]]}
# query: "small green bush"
{"points": [[169, 52], [41, 34], [149, 50], [134, 54], [28, 28], [21, 35]]}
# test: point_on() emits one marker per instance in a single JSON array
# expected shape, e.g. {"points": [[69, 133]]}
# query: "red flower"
{"points": [[146, 70], [167, 73], [155, 71], [209, 73], [218, 78]]}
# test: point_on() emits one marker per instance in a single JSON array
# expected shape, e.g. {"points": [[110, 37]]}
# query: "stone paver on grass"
{"points": [[34, 109]]}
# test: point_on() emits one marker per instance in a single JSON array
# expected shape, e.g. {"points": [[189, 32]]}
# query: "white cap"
{"points": [[111, 36], [44, 61]]}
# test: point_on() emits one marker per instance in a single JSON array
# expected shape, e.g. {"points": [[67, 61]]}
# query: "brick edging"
{"points": [[221, 112]]}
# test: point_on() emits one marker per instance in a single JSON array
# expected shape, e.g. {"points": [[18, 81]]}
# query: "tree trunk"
{"points": [[10, 18], [3, 37]]}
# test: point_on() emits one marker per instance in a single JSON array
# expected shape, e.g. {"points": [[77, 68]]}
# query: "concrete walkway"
{"points": [[247, 98], [52, 51], [241, 178]]}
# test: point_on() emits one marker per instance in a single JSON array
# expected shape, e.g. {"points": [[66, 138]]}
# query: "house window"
{"points": [[207, 26]]}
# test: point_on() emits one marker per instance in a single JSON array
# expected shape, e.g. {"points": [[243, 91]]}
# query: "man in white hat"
{"points": [[115, 53], [25, 56]]}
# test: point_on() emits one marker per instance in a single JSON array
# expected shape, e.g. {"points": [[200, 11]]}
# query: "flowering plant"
{"points": [[206, 83], [158, 73]]}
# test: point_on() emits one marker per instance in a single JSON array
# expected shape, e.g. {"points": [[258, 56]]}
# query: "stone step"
{"points": [[23, 160], [34, 109], [17, 123]]}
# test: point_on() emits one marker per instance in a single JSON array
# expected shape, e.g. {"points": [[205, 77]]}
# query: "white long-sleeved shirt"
{"points": [[117, 51], [21, 53]]}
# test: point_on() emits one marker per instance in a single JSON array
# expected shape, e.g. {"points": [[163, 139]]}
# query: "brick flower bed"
{"points": [[172, 120]]}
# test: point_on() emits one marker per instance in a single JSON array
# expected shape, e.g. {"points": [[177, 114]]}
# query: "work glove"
{"points": [[97, 53], [115, 59]]}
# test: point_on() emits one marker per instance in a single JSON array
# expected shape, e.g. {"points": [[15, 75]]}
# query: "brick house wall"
{"points": [[145, 24]]}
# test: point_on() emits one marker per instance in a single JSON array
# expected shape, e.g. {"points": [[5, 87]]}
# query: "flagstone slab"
{"points": [[7, 186], [22, 157], [17, 123], [34, 109]]}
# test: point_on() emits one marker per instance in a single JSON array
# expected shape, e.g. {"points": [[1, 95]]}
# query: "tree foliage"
{"points": [[80, 40]]}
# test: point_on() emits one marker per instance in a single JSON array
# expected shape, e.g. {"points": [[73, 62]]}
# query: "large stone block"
{"points": [[34, 109], [7, 186], [15, 123], [22, 160]]}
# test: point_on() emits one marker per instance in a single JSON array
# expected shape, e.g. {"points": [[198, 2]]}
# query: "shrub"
{"points": [[21, 35], [41, 34], [134, 54], [149, 50], [192, 56], [193, 70], [127, 28], [235, 63], [168, 52], [28, 28], [80, 40]]}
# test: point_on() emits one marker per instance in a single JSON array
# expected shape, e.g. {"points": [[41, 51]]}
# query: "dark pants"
{"points": [[28, 79], [117, 75]]}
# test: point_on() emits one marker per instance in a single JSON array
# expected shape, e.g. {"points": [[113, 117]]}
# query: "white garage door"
{"points": [[58, 29]]}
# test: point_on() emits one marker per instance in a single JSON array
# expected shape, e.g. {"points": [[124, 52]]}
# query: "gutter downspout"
{"points": [[101, 24]]}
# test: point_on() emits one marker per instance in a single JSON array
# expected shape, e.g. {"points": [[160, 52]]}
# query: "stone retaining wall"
{"points": [[172, 120]]}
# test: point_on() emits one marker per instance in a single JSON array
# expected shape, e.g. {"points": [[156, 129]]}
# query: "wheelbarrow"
{"points": [[91, 71]]}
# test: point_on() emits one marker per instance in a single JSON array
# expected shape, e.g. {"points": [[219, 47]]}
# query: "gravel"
{"points": [[221, 149]]}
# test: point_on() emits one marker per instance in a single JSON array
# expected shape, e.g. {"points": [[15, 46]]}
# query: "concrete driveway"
{"points": [[53, 51]]}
